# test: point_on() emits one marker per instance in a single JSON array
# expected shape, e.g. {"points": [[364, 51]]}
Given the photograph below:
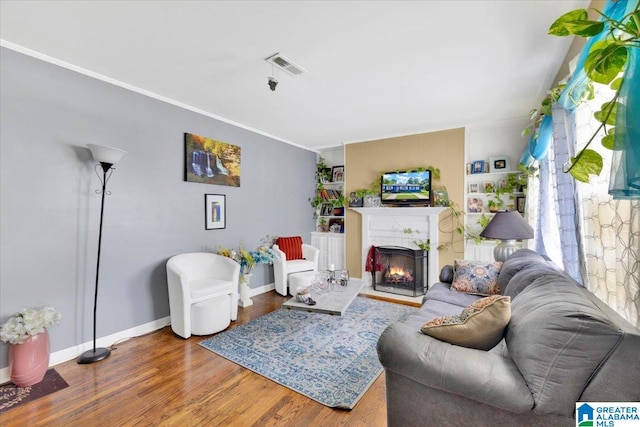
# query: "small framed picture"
{"points": [[337, 173], [499, 164], [477, 166], [489, 187], [215, 216], [520, 203], [473, 187], [475, 205]]}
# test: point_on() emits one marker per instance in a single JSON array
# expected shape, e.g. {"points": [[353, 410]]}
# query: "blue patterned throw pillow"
{"points": [[476, 277]]}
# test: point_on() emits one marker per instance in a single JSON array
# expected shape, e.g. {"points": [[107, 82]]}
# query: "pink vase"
{"points": [[29, 361]]}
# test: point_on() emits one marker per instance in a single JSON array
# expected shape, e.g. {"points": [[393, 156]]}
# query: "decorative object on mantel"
{"points": [[371, 201], [263, 254], [107, 157], [26, 333], [507, 226]]}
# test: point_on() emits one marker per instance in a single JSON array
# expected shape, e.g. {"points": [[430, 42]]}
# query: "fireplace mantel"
{"points": [[386, 226]]}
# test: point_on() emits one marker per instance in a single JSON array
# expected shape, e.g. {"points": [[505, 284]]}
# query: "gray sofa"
{"points": [[562, 345]]}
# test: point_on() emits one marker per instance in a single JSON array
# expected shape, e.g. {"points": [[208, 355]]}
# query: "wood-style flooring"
{"points": [[161, 379]]}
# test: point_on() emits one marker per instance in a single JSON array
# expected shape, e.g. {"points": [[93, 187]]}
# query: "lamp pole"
{"points": [[107, 156], [97, 354]]}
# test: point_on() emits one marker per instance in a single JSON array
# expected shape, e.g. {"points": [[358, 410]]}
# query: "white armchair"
{"points": [[283, 267], [203, 293]]}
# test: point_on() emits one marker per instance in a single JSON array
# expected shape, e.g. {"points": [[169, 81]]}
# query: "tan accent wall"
{"points": [[365, 161]]}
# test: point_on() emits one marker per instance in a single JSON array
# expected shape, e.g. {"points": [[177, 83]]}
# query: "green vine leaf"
{"points": [[609, 140], [605, 61], [561, 25], [616, 84], [589, 162], [608, 112]]}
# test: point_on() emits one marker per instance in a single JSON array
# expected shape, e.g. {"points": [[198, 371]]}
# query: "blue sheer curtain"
{"points": [[625, 166]]}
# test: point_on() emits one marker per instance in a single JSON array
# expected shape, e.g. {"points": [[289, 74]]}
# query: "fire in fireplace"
{"points": [[400, 270]]}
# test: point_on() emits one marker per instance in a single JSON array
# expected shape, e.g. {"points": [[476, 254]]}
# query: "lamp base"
{"points": [[91, 356], [504, 249]]}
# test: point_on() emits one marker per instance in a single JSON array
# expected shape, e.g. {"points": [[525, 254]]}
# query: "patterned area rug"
{"points": [[12, 396], [331, 359]]}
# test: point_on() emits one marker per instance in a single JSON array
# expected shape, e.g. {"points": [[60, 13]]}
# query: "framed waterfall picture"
{"points": [[215, 211], [209, 161]]}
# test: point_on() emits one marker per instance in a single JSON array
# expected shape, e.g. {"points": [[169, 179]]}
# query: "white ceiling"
{"points": [[375, 68]]}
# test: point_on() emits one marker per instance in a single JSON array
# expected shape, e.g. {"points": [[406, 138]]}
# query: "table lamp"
{"points": [[507, 226]]}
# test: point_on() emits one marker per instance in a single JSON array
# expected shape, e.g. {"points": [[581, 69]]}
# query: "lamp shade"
{"points": [[104, 154], [507, 225]]}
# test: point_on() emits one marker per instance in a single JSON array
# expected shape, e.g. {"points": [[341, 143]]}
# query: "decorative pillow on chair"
{"points": [[480, 325], [291, 246], [476, 277]]}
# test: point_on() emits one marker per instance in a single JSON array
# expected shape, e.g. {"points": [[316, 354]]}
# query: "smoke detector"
{"points": [[285, 64]]}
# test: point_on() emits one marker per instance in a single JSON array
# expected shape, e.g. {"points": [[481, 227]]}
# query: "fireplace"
{"points": [[400, 270]]}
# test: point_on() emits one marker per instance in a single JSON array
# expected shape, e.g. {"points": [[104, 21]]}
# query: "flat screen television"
{"points": [[406, 188]]}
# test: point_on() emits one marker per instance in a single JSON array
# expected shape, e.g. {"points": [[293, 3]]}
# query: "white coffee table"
{"points": [[334, 302]]}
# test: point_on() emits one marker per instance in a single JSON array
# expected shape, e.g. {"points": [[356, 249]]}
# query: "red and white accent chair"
{"points": [[294, 257]]}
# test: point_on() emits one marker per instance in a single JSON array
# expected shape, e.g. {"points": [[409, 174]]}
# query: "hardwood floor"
{"points": [[161, 379]]}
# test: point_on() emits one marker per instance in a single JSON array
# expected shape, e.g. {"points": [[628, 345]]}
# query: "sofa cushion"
{"points": [[517, 261], [476, 277], [480, 325], [443, 292], [558, 338], [291, 246]]}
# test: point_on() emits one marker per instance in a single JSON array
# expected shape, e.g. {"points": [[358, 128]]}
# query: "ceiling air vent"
{"points": [[285, 64]]}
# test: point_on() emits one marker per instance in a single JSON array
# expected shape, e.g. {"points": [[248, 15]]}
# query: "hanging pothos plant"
{"points": [[606, 63]]}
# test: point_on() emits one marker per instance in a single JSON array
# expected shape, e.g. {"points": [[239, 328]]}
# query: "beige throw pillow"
{"points": [[480, 325]]}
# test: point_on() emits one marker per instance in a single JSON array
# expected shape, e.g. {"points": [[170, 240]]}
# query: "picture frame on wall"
{"points": [[209, 161], [215, 215], [337, 173], [499, 164]]}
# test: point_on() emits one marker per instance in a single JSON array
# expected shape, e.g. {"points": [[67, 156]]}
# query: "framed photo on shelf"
{"points": [[489, 187], [215, 216], [326, 209], [521, 203], [336, 225], [337, 173], [475, 205], [473, 187], [499, 164], [477, 166]]}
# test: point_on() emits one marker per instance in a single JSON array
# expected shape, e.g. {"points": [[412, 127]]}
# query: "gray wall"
{"points": [[49, 210]]}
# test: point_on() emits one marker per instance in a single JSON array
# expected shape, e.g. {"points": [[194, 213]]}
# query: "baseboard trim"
{"points": [[73, 352]]}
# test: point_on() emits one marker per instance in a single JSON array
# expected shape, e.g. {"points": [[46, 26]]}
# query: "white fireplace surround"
{"points": [[386, 227]]}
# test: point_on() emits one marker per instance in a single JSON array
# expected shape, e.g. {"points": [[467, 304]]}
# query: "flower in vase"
{"points": [[247, 259], [27, 323]]}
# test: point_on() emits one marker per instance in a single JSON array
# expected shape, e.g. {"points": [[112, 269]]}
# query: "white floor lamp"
{"points": [[107, 156]]}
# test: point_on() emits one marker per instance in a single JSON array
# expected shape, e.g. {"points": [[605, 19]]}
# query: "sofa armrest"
{"points": [[485, 377]]}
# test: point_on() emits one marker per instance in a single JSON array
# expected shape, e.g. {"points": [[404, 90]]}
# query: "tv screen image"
{"points": [[406, 188]]}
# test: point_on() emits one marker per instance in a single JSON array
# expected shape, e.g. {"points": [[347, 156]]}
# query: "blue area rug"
{"points": [[331, 359]]}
